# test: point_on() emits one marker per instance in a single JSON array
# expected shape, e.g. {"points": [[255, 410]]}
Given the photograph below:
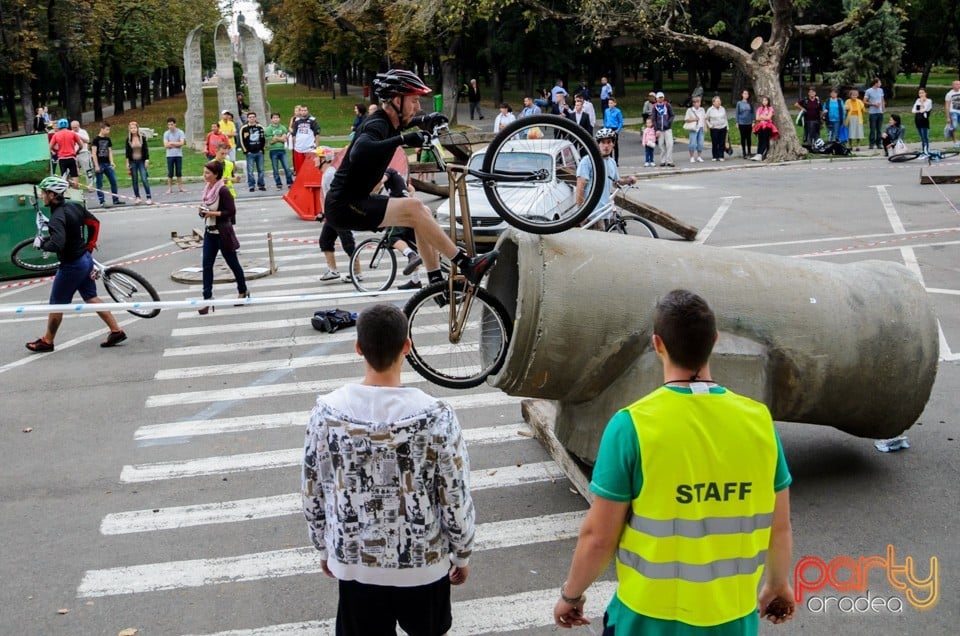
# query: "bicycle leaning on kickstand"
{"points": [[529, 175], [124, 285]]}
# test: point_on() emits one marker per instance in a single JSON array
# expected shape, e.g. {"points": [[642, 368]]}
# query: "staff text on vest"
{"points": [[713, 491]]}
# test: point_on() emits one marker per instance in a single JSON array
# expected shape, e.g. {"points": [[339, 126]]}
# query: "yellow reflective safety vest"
{"points": [[696, 540]]}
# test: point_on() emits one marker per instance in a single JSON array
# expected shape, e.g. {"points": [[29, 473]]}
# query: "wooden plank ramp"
{"points": [[656, 215], [541, 415]]}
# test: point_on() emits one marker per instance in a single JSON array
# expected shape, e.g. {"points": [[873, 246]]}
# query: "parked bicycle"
{"points": [[124, 285], [532, 187], [933, 156], [374, 260], [616, 220]]}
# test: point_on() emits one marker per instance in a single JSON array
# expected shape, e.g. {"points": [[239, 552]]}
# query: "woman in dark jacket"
{"points": [[219, 212], [138, 161]]}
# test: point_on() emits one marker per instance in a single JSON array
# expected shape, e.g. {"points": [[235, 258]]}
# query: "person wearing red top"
{"points": [[214, 139], [64, 144]]}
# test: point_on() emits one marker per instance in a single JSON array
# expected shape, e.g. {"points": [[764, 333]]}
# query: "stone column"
{"points": [[251, 57], [226, 88], [193, 124]]}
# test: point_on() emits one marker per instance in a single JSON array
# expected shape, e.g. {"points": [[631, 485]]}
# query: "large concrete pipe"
{"points": [[850, 346]]}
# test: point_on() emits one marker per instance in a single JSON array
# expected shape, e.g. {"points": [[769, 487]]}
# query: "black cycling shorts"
{"points": [[363, 215], [68, 167]]}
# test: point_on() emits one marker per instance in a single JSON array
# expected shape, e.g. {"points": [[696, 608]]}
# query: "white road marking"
{"points": [[244, 462], [509, 613], [704, 234], [948, 292], [172, 575], [193, 428], [150, 520], [946, 355], [889, 208], [845, 239]]}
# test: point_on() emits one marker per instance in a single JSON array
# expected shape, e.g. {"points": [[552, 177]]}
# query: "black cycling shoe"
{"points": [[475, 268], [413, 262]]}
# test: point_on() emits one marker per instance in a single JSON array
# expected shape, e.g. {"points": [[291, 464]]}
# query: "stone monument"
{"points": [[251, 58], [226, 88], [193, 123]]}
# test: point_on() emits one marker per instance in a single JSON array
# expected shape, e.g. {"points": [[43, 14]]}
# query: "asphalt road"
{"points": [[156, 487]]}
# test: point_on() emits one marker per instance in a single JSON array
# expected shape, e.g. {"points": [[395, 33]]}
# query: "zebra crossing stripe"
{"points": [[172, 575], [240, 424], [150, 520], [507, 613], [244, 462]]}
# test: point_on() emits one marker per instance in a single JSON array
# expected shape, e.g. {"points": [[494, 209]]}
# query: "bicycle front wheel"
{"points": [[633, 226], [376, 264], [903, 156], [127, 286], [532, 167], [478, 353], [946, 154], [26, 256]]}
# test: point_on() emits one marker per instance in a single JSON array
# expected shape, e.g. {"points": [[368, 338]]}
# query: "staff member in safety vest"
{"points": [[692, 498]]}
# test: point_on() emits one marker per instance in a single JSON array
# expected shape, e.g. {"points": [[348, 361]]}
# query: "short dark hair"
{"points": [[250, 112], [171, 120], [381, 334], [272, 115], [215, 167], [687, 327]]}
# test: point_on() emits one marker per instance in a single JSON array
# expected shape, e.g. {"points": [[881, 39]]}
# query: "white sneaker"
{"points": [[757, 158], [720, 159], [700, 159], [692, 160], [347, 278], [330, 274]]}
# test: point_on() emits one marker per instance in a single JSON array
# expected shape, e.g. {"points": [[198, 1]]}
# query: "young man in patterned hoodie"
{"points": [[386, 492]]}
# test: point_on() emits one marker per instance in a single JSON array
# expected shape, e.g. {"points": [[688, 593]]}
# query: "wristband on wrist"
{"points": [[571, 601]]}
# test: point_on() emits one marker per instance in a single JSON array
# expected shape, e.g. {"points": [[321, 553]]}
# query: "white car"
{"points": [[541, 199]]}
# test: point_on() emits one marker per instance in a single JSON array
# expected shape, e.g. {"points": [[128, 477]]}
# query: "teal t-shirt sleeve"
{"points": [[782, 477], [616, 473]]}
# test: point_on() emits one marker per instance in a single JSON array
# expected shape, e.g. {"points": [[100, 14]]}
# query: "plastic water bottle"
{"points": [[893, 444]]}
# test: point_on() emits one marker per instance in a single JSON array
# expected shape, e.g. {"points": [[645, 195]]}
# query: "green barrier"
{"points": [[24, 159]]}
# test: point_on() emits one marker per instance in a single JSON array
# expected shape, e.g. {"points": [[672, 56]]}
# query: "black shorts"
{"points": [[375, 610], [363, 215], [68, 167]]}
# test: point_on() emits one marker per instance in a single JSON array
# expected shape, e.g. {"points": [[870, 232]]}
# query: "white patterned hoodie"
{"points": [[386, 486]]}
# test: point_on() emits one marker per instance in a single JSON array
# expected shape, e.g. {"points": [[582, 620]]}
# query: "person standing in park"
{"points": [[718, 124], [606, 92], [228, 176], [173, 141], [213, 141], [138, 161], [921, 118], [306, 137], [473, 98], [219, 213], [811, 108], [327, 242], [613, 120], [855, 110], [695, 122], [400, 531], [229, 128], [276, 135], [73, 249], [252, 141], [103, 164], [951, 104], [84, 160], [691, 496], [663, 124], [834, 114], [579, 114], [876, 104], [64, 144], [765, 129], [504, 118], [529, 108], [745, 117]]}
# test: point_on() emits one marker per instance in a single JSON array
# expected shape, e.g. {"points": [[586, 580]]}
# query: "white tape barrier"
{"points": [[80, 308]]}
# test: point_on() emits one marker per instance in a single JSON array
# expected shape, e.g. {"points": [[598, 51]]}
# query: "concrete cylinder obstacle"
{"points": [[853, 346]]}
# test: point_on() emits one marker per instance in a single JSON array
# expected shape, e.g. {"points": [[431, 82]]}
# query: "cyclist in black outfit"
{"points": [[349, 204]]}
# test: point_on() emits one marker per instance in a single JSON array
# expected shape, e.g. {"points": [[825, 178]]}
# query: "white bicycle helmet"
{"points": [[605, 133], [54, 184]]}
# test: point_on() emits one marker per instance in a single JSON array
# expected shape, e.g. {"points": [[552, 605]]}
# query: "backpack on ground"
{"points": [[332, 320]]}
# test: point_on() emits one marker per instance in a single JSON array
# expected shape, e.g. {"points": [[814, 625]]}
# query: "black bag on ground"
{"points": [[332, 320]]}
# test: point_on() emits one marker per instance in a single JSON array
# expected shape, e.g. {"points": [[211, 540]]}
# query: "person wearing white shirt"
{"points": [[717, 123], [504, 118]]}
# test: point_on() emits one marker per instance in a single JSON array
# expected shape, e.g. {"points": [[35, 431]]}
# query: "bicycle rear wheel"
{"points": [[633, 226], [549, 151], [376, 263], [481, 349], [902, 157], [946, 154], [127, 286], [26, 256]]}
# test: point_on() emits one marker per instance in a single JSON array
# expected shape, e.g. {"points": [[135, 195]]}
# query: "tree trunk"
{"points": [[448, 75], [117, 89], [72, 99], [9, 98], [619, 83], [26, 101], [342, 77], [766, 83], [98, 99], [738, 84]]}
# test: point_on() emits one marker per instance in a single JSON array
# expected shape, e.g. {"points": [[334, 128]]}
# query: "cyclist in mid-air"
{"points": [[349, 204]]}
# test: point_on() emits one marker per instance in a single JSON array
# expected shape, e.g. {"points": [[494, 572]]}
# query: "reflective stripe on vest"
{"points": [[695, 545]]}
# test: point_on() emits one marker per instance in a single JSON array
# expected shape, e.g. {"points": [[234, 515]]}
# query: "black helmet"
{"points": [[398, 82]]}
